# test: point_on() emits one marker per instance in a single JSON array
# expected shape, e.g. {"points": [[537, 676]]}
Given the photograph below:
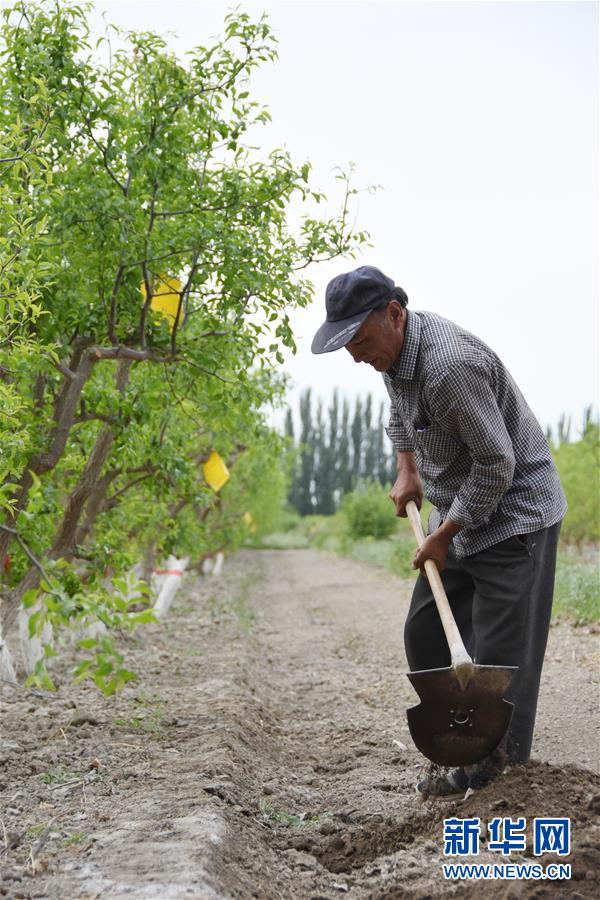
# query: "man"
{"points": [[466, 439]]}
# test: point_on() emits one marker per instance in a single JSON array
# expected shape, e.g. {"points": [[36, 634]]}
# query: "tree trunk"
{"points": [[95, 504], [64, 542], [64, 414]]}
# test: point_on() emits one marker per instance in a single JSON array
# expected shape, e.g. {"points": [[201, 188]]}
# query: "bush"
{"points": [[368, 512], [577, 464], [289, 519]]}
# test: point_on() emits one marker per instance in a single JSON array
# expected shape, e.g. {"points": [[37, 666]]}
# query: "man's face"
{"points": [[379, 339]]}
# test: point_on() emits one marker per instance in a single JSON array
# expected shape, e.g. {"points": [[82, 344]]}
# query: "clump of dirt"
{"points": [[264, 753]]}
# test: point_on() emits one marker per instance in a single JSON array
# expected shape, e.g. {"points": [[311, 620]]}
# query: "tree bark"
{"points": [[64, 542], [95, 504], [64, 414]]}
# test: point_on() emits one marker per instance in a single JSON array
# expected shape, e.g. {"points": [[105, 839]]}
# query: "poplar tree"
{"points": [[344, 471], [307, 455], [357, 442], [369, 463]]}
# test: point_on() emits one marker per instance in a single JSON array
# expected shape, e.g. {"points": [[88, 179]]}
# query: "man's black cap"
{"points": [[349, 299]]}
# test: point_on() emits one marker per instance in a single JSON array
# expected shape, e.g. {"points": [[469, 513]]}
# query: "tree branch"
{"points": [[103, 151], [206, 371], [29, 147], [120, 351], [27, 551], [112, 501], [146, 275], [183, 296], [112, 316]]}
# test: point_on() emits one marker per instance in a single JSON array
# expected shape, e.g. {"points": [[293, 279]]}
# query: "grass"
{"points": [[577, 591]]}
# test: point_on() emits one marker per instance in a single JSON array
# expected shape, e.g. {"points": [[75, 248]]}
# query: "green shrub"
{"points": [[369, 512], [289, 519], [577, 464]]}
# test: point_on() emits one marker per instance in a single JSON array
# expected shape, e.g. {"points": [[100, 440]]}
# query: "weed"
{"points": [[54, 776], [269, 814], [150, 720], [240, 605], [76, 837], [133, 722], [149, 700], [244, 612]]}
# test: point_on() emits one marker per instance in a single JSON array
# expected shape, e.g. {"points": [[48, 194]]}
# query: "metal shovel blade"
{"points": [[453, 726]]}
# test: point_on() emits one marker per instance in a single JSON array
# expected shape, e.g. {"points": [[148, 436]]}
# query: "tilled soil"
{"points": [[264, 753]]}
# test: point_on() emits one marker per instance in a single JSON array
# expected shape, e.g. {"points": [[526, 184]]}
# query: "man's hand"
{"points": [[408, 485], [435, 546]]}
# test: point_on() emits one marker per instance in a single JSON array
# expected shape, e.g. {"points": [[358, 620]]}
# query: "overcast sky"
{"points": [[480, 121]]}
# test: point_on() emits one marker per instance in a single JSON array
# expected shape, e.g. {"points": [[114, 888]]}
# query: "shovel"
{"points": [[462, 716]]}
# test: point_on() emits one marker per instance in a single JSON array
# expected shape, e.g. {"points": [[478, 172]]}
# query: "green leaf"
{"points": [[87, 643], [29, 597]]}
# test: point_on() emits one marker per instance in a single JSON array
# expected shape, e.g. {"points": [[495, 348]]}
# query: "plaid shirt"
{"points": [[481, 454]]}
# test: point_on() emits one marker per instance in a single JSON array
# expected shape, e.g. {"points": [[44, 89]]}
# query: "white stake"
{"points": [[173, 573], [7, 670], [218, 566]]}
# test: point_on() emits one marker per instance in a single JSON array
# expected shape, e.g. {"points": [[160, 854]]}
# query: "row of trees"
{"points": [[334, 449], [124, 176]]}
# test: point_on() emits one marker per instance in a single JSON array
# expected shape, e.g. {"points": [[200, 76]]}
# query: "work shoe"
{"points": [[450, 784], [480, 774], [456, 782]]}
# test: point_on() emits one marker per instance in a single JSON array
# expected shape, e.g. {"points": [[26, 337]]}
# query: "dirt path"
{"points": [[264, 753]]}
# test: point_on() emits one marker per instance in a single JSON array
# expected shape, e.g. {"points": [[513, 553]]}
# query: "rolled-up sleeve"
{"points": [[465, 403]]}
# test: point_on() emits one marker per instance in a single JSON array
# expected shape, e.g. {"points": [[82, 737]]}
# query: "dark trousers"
{"points": [[501, 599]]}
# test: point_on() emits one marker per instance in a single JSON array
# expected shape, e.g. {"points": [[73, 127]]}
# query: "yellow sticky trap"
{"points": [[165, 299], [215, 471], [247, 517]]}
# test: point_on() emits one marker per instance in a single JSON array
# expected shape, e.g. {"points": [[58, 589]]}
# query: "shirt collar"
{"points": [[404, 367]]}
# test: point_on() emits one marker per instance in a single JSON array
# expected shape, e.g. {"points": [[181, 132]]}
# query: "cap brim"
{"points": [[335, 335]]}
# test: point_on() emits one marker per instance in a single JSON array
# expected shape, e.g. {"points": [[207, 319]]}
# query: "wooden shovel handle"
{"points": [[461, 661]]}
